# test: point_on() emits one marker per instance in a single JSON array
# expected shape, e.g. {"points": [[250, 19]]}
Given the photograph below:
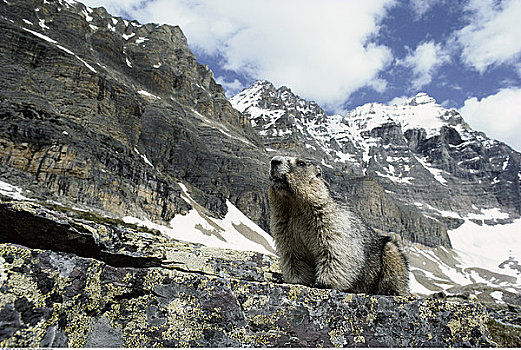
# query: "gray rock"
{"points": [[123, 139], [195, 297]]}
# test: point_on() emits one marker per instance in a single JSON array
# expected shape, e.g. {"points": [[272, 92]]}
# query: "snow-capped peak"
{"points": [[262, 84], [251, 96], [265, 105], [271, 98], [421, 98], [277, 112], [419, 112]]}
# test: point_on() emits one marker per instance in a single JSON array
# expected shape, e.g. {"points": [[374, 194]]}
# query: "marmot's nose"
{"points": [[276, 161]]}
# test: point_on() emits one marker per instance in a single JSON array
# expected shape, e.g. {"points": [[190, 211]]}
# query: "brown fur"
{"points": [[322, 243]]}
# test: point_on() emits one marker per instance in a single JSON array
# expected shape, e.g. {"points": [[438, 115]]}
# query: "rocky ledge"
{"points": [[68, 278]]}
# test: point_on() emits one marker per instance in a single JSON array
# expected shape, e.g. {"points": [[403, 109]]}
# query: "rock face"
{"points": [[110, 115], [106, 284]]}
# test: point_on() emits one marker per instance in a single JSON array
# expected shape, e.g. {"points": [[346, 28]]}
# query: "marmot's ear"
{"points": [[319, 171]]}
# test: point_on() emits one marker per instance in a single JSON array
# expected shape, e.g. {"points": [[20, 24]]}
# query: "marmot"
{"points": [[324, 244]]}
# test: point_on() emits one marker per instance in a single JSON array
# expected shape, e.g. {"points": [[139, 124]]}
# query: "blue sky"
{"points": [[344, 53]]}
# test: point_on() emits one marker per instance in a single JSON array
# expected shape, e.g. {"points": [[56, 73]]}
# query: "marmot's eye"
{"points": [[301, 163]]}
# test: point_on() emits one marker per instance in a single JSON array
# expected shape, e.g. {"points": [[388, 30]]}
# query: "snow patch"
{"points": [[498, 297], [46, 38], [68, 3], [326, 165], [148, 94], [87, 13], [415, 285], [42, 24], [435, 172], [222, 128], [396, 179], [14, 192], [144, 157], [87, 65], [489, 214], [234, 231], [128, 36], [488, 246], [66, 50], [41, 36], [141, 40], [505, 163]]}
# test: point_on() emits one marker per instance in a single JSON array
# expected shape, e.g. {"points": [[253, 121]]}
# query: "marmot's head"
{"points": [[297, 178]]}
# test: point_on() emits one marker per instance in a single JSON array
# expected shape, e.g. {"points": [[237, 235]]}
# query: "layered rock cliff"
{"points": [[109, 113]]}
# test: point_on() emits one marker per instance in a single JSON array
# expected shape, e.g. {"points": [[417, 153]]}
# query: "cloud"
{"points": [[322, 50], [424, 62], [378, 85], [499, 115], [399, 100], [421, 7], [231, 87], [492, 37], [117, 7]]}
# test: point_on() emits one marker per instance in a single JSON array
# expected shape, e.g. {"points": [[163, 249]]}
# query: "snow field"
{"points": [[234, 231]]}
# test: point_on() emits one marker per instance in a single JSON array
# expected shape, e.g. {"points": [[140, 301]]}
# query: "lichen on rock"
{"points": [[188, 295]]}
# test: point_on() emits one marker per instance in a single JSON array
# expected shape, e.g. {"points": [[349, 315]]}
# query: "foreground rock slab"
{"points": [[187, 295], [58, 299]]}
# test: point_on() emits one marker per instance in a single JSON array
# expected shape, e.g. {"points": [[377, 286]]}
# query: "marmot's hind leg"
{"points": [[297, 271], [395, 271]]}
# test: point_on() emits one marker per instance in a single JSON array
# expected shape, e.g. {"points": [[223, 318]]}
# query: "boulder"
{"points": [[97, 282]]}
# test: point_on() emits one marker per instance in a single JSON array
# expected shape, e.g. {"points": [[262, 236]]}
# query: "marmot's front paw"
{"points": [[321, 286], [323, 282]]}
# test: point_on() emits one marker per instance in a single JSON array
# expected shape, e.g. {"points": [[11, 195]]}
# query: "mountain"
{"points": [[424, 155], [418, 160], [110, 115], [133, 206]]}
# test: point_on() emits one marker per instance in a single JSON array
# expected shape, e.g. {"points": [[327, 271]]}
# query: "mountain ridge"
{"points": [[416, 141], [139, 94]]}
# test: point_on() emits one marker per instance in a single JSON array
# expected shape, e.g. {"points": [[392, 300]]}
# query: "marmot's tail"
{"points": [[395, 270]]}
